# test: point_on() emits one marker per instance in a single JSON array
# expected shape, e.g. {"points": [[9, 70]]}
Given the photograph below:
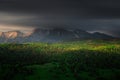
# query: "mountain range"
{"points": [[50, 35]]}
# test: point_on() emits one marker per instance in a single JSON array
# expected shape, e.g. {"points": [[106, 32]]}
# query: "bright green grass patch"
{"points": [[78, 60]]}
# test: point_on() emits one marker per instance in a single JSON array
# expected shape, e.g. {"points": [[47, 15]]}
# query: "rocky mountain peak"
{"points": [[51, 35]]}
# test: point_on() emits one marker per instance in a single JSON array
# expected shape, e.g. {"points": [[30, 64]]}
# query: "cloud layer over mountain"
{"points": [[90, 15]]}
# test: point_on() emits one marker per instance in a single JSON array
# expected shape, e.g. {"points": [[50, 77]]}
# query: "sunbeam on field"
{"points": [[59, 39], [86, 60]]}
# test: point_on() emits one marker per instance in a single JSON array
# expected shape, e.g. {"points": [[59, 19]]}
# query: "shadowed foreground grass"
{"points": [[82, 60]]}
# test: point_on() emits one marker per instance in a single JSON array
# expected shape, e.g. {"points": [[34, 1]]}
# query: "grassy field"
{"points": [[78, 60]]}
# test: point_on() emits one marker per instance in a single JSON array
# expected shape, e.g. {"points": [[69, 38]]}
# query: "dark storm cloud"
{"points": [[81, 8], [91, 15]]}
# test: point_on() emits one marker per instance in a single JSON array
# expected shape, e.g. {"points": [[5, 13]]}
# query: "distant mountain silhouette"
{"points": [[99, 35], [51, 35]]}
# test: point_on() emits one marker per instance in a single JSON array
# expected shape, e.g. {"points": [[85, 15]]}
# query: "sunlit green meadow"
{"points": [[77, 60]]}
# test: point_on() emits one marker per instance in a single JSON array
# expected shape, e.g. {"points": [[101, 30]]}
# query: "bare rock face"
{"points": [[12, 34], [1, 33]]}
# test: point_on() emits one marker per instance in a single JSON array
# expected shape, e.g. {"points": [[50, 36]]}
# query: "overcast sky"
{"points": [[90, 15]]}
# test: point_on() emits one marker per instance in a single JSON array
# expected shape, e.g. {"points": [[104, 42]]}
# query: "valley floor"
{"points": [[78, 60]]}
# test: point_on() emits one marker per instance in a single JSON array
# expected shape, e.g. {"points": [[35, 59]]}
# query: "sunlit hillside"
{"points": [[79, 60]]}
